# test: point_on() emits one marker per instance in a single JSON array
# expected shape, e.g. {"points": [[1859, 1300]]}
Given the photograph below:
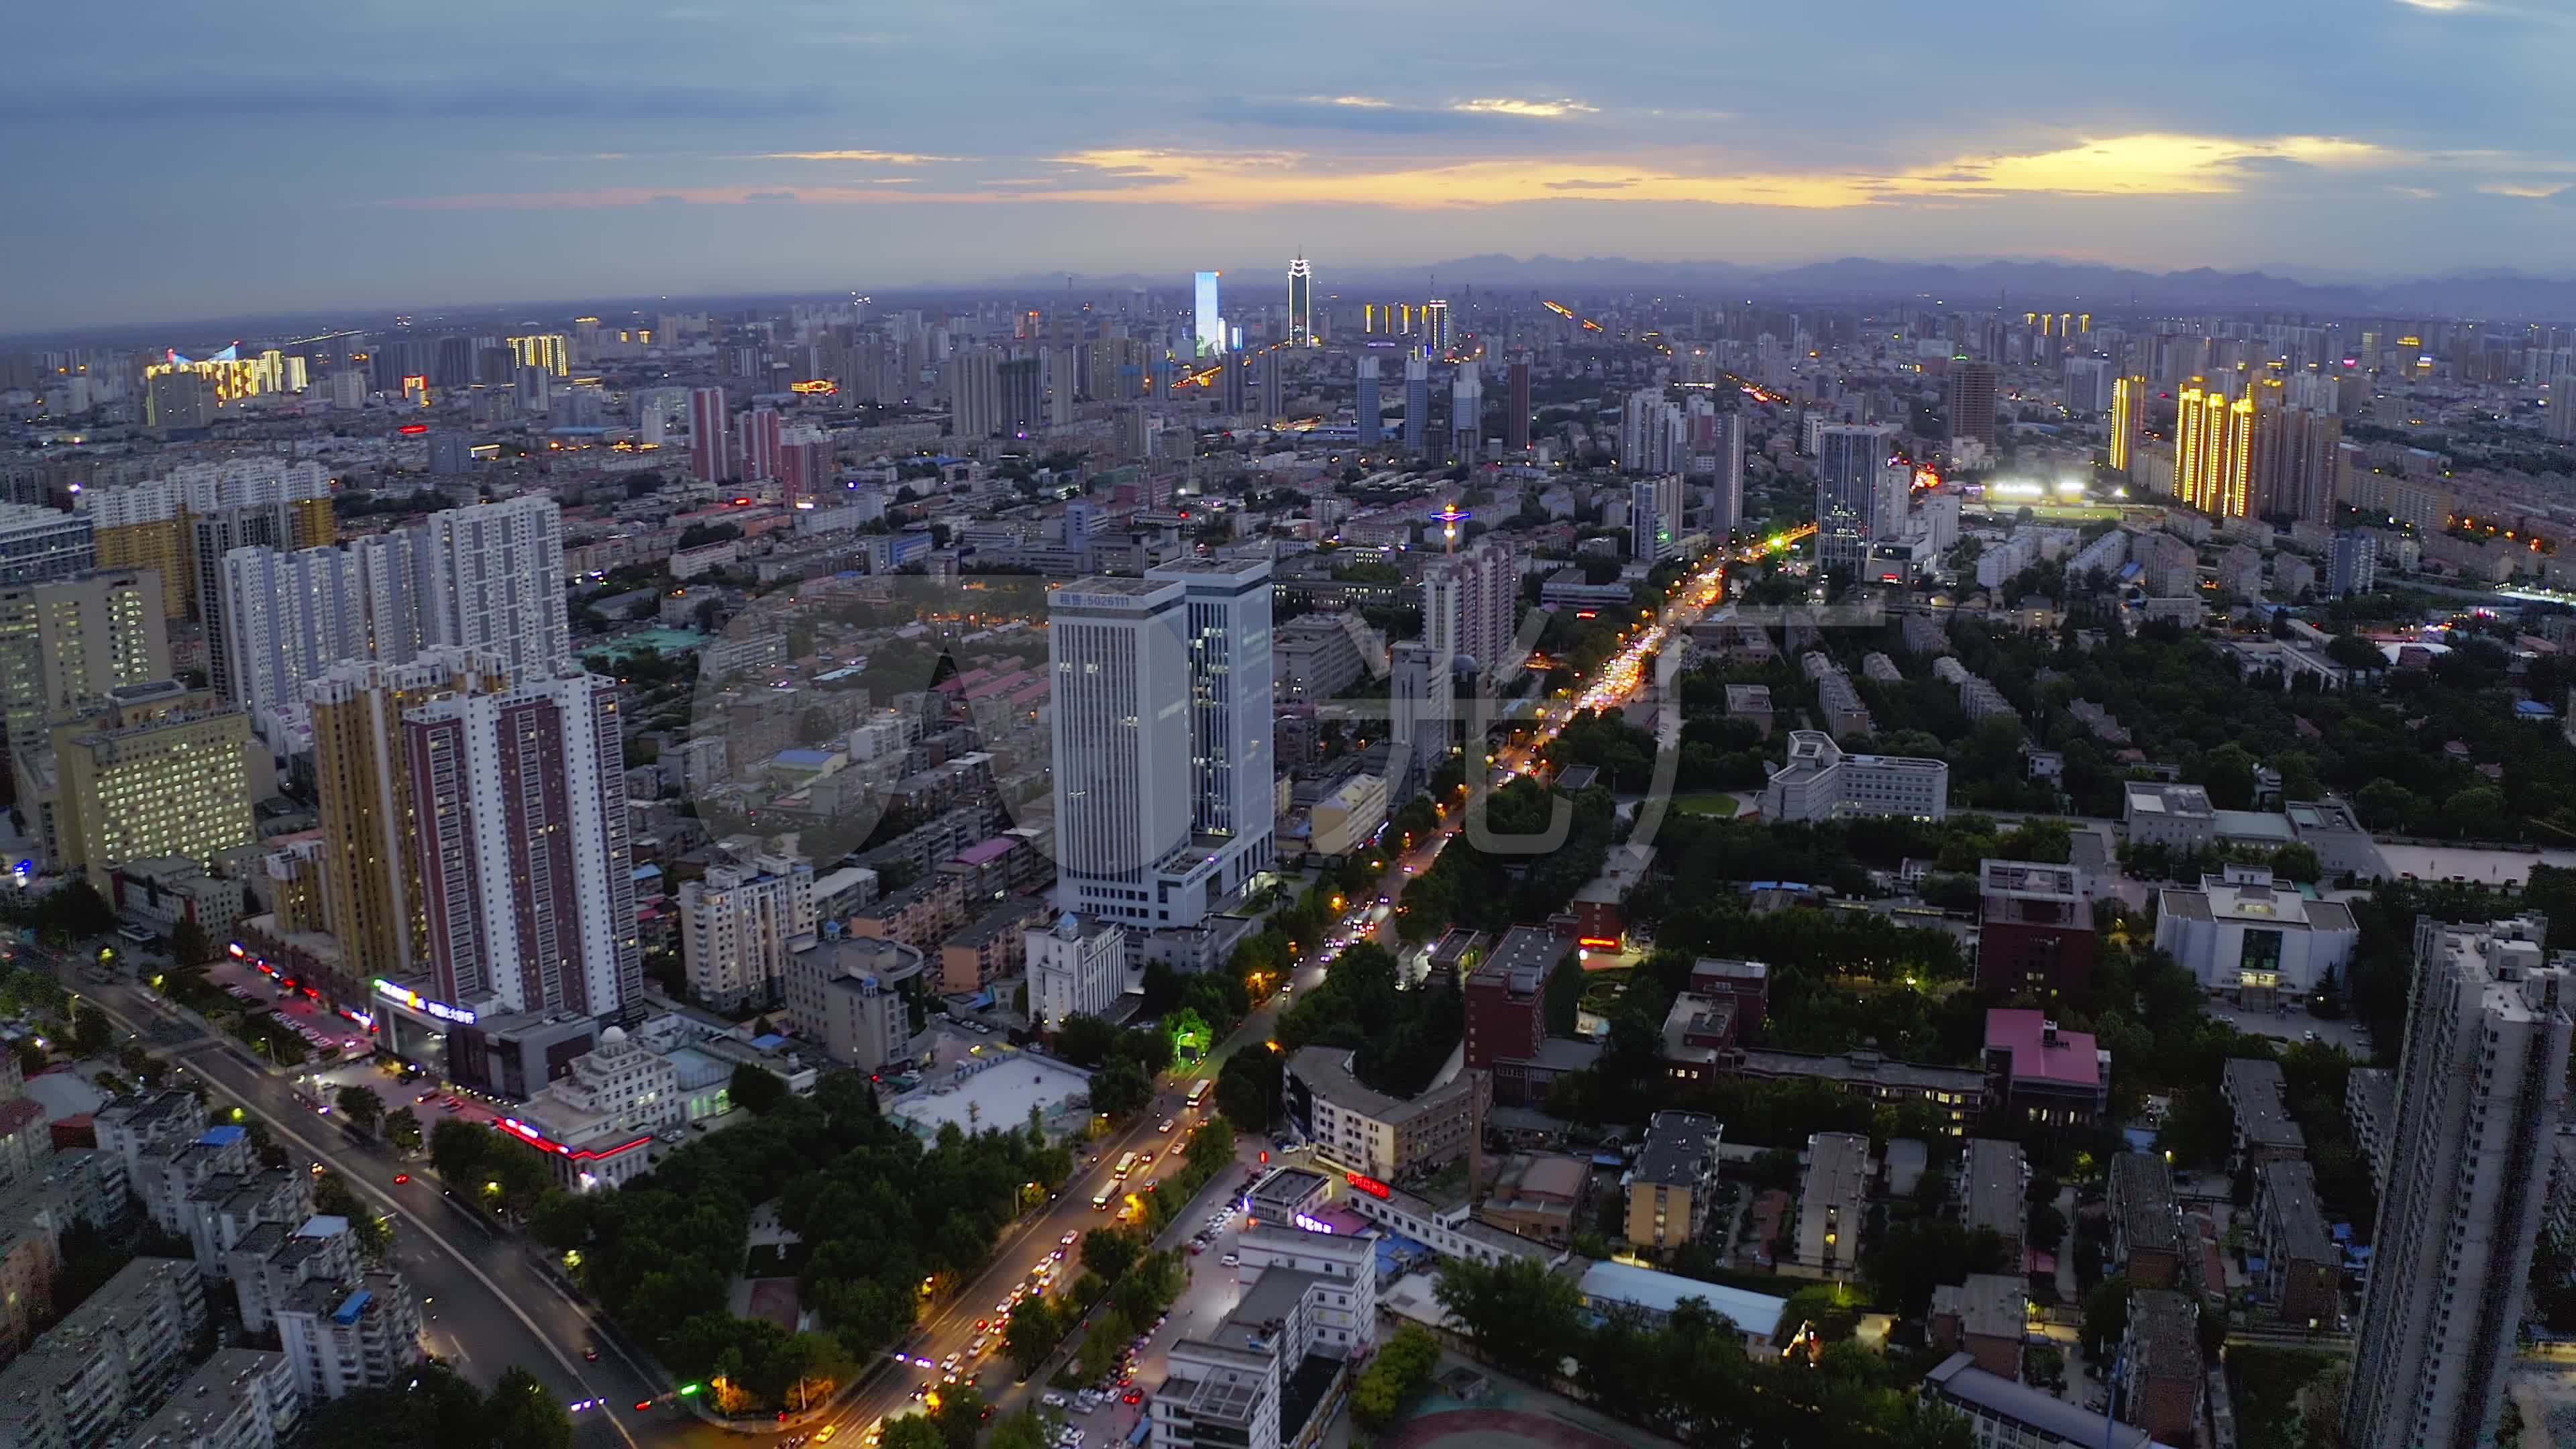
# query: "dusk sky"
{"points": [[177, 161]]}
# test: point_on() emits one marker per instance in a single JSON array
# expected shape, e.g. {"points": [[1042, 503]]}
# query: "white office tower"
{"points": [[1850, 460], [1419, 709], [2088, 384], [2481, 1090], [1076, 967], [1726, 497], [1466, 412], [739, 925], [348, 389], [519, 800], [1164, 776], [1655, 517], [492, 578], [974, 378]]}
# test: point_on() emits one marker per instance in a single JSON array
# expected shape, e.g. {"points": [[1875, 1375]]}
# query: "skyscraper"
{"points": [[371, 889], [2353, 567], [2295, 459], [1654, 517], [1516, 412], [1418, 712], [1301, 303], [2560, 414], [710, 457], [1234, 375], [1207, 329], [492, 577], [760, 445], [162, 770], [287, 616], [519, 811], [1274, 388], [1417, 404], [1849, 458], [2088, 384], [1435, 327], [2129, 398], [974, 378], [1470, 601], [1023, 396], [1164, 776], [68, 644], [1726, 498], [2214, 451], [212, 537], [1371, 412], [1653, 434], [1972, 402], [1466, 412], [2481, 1089]]}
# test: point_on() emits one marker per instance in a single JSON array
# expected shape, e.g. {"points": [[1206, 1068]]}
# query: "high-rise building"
{"points": [[213, 537], [492, 578], [1023, 395], [1207, 324], [1274, 387], [1654, 436], [1972, 401], [1301, 303], [710, 456], [1419, 708], [1234, 378], [1417, 404], [974, 379], [67, 645], [1371, 413], [1849, 460], [760, 445], [348, 390], [150, 524], [1435, 327], [1654, 517], [38, 543], [2129, 399], [371, 887], [1076, 968], [2214, 450], [2088, 384], [1516, 412], [2481, 1090], [2296, 453], [1726, 495], [739, 925], [286, 618], [1470, 601], [2353, 567], [519, 808], [451, 453], [173, 400], [164, 770], [533, 389], [1164, 777], [548, 352], [2560, 414], [1466, 412]]}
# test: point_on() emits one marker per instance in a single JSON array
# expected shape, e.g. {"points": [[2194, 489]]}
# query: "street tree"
{"points": [[361, 1106]]}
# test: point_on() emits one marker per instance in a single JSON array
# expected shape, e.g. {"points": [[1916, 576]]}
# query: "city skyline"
{"points": [[516, 184]]}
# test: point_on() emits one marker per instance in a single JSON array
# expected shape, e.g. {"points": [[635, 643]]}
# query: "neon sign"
{"points": [[1369, 1185], [417, 1002], [539, 1140], [1313, 1225], [822, 386]]}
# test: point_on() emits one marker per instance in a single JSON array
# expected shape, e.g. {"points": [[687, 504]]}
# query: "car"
{"points": [[1132, 1396], [1144, 1159], [1052, 1398], [1197, 1246], [920, 1392], [402, 1179], [824, 1434], [425, 1098], [1071, 1238], [590, 1351], [982, 1323], [1057, 1256], [1167, 1123], [1232, 1260]]}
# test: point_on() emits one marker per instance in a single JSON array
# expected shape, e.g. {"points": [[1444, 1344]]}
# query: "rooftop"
{"points": [[2299, 1223], [1989, 1305], [2166, 1331], [2142, 1192], [1676, 1145], [2188, 802], [1959, 1378], [1991, 1185], [2255, 1089], [2041, 1052], [1752, 1313], [1327, 1070]]}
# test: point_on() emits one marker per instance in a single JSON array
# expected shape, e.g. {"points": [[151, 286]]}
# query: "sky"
{"points": [[178, 161]]}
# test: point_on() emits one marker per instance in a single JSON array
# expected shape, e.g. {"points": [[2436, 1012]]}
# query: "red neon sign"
{"points": [[1369, 1185], [413, 428], [533, 1138]]}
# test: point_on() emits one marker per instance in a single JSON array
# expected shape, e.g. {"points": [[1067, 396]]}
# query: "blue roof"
{"points": [[799, 758], [2532, 708], [1752, 1313], [347, 1313], [769, 1042], [223, 1136]]}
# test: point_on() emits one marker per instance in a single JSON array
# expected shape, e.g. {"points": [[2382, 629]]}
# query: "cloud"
{"points": [[1506, 106], [889, 158], [2437, 6], [1578, 183], [752, 196], [2531, 190], [1366, 103], [2415, 193]]}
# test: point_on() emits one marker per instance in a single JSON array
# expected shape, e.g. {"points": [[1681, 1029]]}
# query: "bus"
{"points": [[1199, 1091], [1126, 1165]]}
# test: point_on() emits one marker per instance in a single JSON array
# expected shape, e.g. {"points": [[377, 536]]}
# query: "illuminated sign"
{"points": [[539, 1140], [1369, 1185], [408, 428], [819, 385], [417, 1002], [1598, 943], [1313, 1225]]}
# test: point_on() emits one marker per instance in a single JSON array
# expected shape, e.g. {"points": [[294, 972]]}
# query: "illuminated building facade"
{"points": [[1301, 303], [1435, 326], [2214, 451], [1207, 325], [68, 644], [233, 376], [2129, 399], [710, 457], [550, 351], [152, 524], [163, 771]]}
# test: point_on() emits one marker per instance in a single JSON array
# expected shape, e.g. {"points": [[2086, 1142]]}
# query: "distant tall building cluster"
{"points": [[2252, 455], [1853, 492]]}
